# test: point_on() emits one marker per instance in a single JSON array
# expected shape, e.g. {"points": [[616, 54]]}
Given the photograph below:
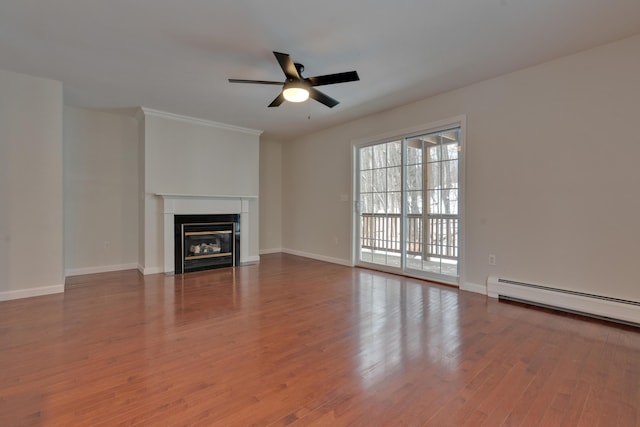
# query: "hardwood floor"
{"points": [[294, 341]]}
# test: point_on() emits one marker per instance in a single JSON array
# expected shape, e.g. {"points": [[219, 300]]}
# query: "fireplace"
{"points": [[204, 242], [202, 209]]}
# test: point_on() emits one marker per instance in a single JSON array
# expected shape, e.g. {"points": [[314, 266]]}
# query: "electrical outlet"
{"points": [[106, 245], [492, 259]]}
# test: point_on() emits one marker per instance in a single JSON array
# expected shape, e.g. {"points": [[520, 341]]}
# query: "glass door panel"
{"points": [[380, 202], [432, 184]]}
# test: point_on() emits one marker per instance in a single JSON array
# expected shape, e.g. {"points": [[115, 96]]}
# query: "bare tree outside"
{"points": [[430, 164]]}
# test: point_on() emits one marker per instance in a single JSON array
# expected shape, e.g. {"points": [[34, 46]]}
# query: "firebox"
{"points": [[204, 242]]}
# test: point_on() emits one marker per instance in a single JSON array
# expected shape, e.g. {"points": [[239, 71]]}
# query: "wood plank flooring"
{"points": [[293, 341]]}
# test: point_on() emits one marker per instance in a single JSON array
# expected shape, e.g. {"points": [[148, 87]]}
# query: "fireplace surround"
{"points": [[244, 206]]}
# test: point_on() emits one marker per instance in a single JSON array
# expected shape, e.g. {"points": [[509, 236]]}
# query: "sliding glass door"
{"points": [[408, 191]]}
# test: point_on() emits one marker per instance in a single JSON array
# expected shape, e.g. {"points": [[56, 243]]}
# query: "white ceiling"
{"points": [[176, 56]]}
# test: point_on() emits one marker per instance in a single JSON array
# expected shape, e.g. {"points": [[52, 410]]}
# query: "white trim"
{"points": [[590, 305], [99, 269], [474, 287], [462, 197], [270, 251], [32, 292], [196, 121], [150, 270], [250, 260], [203, 196], [318, 257], [436, 126], [354, 224]]}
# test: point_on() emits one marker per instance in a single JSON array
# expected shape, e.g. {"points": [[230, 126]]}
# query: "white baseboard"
{"points": [[250, 259], [32, 292], [318, 257], [474, 287], [270, 251], [100, 269], [150, 270]]}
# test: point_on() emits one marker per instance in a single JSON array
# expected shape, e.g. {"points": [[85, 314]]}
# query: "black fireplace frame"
{"points": [[192, 219]]}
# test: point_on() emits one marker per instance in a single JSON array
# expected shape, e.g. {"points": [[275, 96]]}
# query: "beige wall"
{"points": [[270, 196], [31, 221], [551, 173], [316, 174], [551, 184], [100, 191]]}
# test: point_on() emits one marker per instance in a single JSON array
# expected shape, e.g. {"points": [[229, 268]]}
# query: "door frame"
{"points": [[356, 144]]}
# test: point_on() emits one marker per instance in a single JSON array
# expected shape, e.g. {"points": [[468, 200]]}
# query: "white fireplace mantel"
{"points": [[203, 204]]}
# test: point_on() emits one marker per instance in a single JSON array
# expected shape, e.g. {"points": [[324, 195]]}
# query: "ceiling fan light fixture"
{"points": [[296, 91]]}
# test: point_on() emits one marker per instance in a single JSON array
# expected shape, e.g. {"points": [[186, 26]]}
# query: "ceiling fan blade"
{"points": [[276, 102], [322, 98], [330, 79], [259, 82], [287, 65]]}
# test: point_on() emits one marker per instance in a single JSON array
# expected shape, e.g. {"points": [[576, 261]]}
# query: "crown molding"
{"points": [[196, 121], [204, 196]]}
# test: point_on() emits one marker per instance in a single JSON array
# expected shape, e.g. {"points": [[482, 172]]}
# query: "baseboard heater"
{"points": [[598, 306]]}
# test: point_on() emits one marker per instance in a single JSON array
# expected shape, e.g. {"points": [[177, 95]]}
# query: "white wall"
{"points": [[100, 191], [182, 156], [552, 177], [195, 157], [31, 223], [270, 196]]}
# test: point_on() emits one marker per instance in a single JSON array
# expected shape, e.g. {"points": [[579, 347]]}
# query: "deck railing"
{"points": [[439, 239]]}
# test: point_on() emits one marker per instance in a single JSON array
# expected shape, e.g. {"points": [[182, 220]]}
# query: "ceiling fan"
{"points": [[297, 88]]}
